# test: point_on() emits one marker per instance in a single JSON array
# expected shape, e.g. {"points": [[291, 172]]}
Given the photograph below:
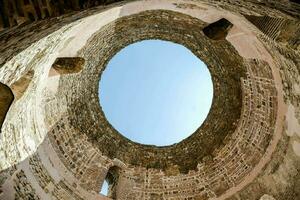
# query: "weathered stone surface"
{"points": [[17, 12], [267, 197], [159, 24], [218, 30], [20, 86], [67, 65]]}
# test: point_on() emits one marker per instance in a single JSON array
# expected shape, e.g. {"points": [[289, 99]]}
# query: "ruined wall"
{"points": [[57, 144], [18, 12]]}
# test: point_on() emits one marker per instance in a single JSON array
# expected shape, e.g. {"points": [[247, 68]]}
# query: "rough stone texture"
{"points": [[218, 30], [18, 12], [67, 65], [57, 144], [159, 24], [20, 86]]}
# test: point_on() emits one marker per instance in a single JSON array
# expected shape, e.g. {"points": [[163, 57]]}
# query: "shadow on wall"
{"points": [[218, 30], [20, 86], [16, 182], [66, 66], [14, 92], [6, 99]]}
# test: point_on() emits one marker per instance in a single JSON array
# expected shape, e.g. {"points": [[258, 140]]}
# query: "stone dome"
{"points": [[55, 142]]}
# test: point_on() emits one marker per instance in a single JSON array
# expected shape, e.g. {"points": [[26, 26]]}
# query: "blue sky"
{"points": [[156, 92], [104, 189]]}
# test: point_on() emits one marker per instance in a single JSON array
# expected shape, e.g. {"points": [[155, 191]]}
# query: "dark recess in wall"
{"points": [[6, 98], [218, 30]]}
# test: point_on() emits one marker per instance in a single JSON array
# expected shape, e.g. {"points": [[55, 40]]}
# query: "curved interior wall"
{"points": [[56, 143]]}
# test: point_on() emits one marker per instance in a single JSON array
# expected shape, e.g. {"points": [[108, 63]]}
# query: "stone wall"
{"points": [[20, 12]]}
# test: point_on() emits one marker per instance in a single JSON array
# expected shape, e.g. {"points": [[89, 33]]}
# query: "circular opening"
{"points": [[156, 92]]}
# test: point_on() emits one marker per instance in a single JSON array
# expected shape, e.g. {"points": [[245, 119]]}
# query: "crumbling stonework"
{"points": [[67, 66], [218, 30], [57, 144], [18, 12]]}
